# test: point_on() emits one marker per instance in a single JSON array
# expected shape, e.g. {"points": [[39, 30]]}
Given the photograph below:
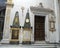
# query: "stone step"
{"points": [[28, 46]]}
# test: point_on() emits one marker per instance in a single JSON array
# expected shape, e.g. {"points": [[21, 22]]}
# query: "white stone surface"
{"points": [[26, 4], [28, 46], [59, 18], [56, 10], [52, 37]]}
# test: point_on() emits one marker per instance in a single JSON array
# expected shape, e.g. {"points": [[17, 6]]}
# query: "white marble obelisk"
{"points": [[6, 31]]}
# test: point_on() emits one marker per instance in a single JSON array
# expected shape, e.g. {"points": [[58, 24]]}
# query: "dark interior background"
{"points": [[2, 2], [2, 17]]}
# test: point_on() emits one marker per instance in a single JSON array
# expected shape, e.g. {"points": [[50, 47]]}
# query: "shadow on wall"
{"points": [[2, 16]]}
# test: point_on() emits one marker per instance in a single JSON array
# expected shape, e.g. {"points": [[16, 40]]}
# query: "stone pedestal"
{"points": [[15, 32], [27, 35]]}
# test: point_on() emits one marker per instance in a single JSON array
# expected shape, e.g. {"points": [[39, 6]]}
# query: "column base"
{"points": [[14, 42], [27, 42], [3, 41]]}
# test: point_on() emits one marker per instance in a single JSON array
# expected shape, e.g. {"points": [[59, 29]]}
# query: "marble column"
{"points": [[6, 31], [56, 9]]}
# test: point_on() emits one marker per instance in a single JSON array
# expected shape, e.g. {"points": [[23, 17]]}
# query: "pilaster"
{"points": [[56, 9], [6, 31]]}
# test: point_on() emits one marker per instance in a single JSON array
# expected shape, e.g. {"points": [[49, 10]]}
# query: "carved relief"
{"points": [[52, 23]]}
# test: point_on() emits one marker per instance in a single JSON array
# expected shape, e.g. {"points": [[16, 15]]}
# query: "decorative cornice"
{"points": [[41, 10]]}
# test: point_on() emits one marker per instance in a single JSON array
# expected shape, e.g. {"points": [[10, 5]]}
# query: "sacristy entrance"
{"points": [[39, 28]]}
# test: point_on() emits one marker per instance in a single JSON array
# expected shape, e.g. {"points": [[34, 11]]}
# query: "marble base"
{"points": [[5, 41], [26, 42], [14, 42]]}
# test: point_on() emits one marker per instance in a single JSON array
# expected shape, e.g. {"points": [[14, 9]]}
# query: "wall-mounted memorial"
{"points": [[52, 23], [27, 30], [15, 28]]}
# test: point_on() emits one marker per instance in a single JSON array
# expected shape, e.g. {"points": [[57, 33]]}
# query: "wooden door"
{"points": [[39, 34]]}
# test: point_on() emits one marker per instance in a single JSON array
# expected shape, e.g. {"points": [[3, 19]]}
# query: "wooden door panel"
{"points": [[39, 34]]}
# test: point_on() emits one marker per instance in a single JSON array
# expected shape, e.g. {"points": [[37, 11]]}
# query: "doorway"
{"points": [[39, 28]]}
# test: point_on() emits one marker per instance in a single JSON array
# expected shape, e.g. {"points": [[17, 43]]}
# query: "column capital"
{"points": [[9, 0], [9, 3]]}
